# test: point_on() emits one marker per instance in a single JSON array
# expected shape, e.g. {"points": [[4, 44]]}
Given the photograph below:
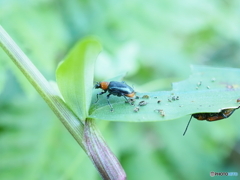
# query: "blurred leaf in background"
{"points": [[155, 41]]}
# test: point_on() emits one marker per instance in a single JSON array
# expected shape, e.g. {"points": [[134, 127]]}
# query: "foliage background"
{"points": [[155, 41]]}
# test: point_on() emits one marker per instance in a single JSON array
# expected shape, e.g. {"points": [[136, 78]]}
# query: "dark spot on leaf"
{"points": [[142, 103]]}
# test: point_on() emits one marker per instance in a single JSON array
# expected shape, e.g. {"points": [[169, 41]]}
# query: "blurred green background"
{"points": [[155, 41]]}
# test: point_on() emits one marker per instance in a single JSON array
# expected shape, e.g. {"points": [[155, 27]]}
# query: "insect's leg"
{"points": [[109, 102], [100, 94], [187, 125], [126, 99]]}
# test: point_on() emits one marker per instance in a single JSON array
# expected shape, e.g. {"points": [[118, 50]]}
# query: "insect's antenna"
{"points": [[187, 125]]}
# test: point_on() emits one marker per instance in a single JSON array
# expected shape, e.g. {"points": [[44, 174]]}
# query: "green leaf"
{"points": [[206, 90], [75, 75], [75, 81]]}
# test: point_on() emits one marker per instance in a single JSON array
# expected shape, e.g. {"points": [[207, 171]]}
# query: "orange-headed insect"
{"points": [[115, 88], [225, 113]]}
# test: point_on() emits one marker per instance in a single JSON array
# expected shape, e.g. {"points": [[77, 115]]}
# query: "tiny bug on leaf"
{"points": [[136, 109], [160, 111], [142, 103], [145, 97]]}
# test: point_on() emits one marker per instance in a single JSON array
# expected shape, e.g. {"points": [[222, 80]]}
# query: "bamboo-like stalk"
{"points": [[87, 136], [67, 117]]}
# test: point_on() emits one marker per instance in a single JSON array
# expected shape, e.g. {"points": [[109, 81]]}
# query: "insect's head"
{"points": [[97, 85]]}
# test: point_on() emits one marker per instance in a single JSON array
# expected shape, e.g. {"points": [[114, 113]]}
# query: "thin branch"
{"points": [[104, 160], [67, 117]]}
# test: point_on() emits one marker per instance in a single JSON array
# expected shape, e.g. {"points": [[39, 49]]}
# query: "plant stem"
{"points": [[88, 138], [67, 117]]}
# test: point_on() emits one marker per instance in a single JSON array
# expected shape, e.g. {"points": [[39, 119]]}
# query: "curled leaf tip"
{"points": [[75, 75]]}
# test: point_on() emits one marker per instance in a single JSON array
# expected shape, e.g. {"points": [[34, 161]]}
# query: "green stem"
{"points": [[88, 138], [67, 117]]}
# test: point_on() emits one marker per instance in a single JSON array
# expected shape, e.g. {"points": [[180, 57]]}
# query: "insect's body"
{"points": [[115, 88], [120, 89], [225, 113]]}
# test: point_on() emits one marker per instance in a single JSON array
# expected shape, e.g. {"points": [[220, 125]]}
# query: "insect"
{"points": [[114, 88], [199, 83], [136, 109], [225, 113], [142, 103], [145, 97], [160, 111]]}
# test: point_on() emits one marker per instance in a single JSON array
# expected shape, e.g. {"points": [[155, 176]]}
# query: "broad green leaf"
{"points": [[204, 78], [75, 76], [206, 90]]}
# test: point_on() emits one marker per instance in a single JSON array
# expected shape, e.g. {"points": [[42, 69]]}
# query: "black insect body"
{"points": [[115, 88]]}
